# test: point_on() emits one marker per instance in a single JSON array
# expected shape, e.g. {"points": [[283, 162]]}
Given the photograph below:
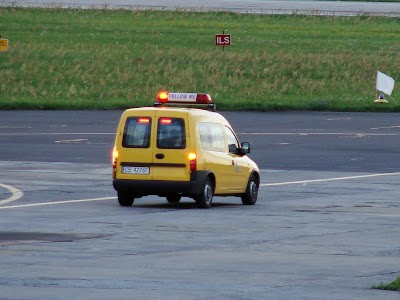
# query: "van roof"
{"points": [[190, 111]]}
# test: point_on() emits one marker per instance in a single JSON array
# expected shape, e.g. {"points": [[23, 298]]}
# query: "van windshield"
{"points": [[171, 133]]}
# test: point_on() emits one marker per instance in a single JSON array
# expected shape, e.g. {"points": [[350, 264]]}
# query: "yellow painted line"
{"points": [[16, 193], [57, 202], [330, 179]]}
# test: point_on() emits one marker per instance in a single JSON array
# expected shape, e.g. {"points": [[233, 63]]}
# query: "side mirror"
{"points": [[245, 147]]}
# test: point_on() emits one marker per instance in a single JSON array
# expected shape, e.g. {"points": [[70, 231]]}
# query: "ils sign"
{"points": [[222, 39]]}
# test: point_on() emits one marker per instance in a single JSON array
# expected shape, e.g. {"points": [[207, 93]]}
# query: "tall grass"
{"points": [[77, 59]]}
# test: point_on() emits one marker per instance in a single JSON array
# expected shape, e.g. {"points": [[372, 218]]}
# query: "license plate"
{"points": [[136, 170]]}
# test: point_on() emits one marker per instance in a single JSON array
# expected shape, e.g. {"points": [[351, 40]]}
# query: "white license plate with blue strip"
{"points": [[136, 170]]}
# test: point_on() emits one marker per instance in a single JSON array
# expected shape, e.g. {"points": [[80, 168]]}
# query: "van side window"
{"points": [[233, 143], [211, 137], [171, 133], [137, 132]]}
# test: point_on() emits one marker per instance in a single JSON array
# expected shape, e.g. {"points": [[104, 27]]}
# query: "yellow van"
{"points": [[176, 152]]}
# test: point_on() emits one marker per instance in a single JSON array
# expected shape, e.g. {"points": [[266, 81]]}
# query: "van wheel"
{"points": [[250, 196], [125, 199], [174, 198], [204, 199]]}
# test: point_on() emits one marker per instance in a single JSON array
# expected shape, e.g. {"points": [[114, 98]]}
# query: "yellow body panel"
{"points": [[172, 156], [137, 155]]}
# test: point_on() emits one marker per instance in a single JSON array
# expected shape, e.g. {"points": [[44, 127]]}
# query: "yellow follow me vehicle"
{"points": [[181, 151]]}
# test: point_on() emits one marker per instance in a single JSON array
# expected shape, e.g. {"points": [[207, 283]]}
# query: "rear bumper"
{"points": [[161, 188]]}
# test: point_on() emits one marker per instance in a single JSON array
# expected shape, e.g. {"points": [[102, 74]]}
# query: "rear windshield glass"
{"points": [[137, 132], [171, 133]]}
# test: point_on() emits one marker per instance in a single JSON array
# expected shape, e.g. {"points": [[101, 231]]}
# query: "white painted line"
{"points": [[261, 185], [57, 202], [71, 141], [16, 193], [388, 127], [247, 133], [329, 179], [15, 127], [56, 133], [320, 133]]}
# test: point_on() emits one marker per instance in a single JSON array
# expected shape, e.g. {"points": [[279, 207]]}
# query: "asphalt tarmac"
{"points": [[365, 142], [331, 8], [325, 225]]}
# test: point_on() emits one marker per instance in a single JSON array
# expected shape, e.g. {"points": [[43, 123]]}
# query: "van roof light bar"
{"points": [[185, 99]]}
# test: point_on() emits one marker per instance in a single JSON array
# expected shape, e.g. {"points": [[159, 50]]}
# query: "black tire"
{"points": [[204, 199], [250, 196], [125, 199], [174, 198]]}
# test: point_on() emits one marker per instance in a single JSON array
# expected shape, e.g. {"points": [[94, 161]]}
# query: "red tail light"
{"points": [[192, 161], [114, 162]]}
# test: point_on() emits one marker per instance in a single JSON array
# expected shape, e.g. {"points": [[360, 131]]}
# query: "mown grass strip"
{"points": [[108, 59], [392, 286]]}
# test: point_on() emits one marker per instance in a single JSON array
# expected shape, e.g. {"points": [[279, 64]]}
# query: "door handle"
{"points": [[160, 156]]}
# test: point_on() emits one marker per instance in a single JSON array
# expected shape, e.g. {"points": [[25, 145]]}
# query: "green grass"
{"points": [[393, 286], [106, 59]]}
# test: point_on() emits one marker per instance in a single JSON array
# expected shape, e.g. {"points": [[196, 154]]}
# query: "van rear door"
{"points": [[135, 157], [172, 146]]}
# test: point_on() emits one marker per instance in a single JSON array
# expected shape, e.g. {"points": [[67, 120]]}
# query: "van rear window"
{"points": [[171, 133], [137, 132]]}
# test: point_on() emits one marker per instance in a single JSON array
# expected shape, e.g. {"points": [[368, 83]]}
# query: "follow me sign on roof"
{"points": [[182, 97]]}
